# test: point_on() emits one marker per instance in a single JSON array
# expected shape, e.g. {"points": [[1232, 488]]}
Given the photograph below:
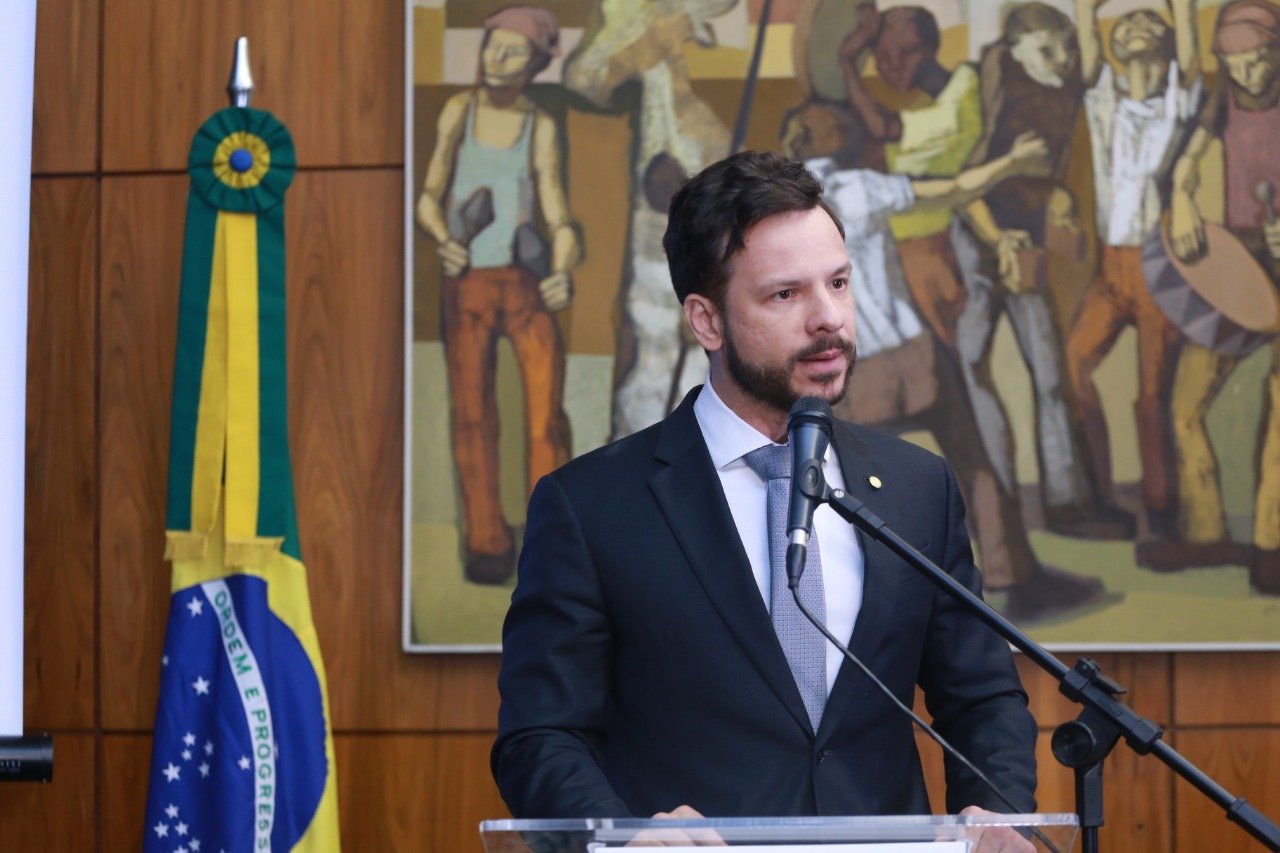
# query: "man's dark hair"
{"points": [[1033, 17], [712, 212], [924, 23]]}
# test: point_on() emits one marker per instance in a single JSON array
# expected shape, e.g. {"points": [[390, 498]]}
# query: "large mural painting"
{"points": [[1065, 237]]}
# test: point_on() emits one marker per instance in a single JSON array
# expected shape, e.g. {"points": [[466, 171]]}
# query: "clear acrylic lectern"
{"points": [[905, 834]]}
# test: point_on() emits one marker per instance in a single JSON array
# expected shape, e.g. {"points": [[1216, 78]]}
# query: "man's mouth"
{"points": [[826, 357], [828, 353]]}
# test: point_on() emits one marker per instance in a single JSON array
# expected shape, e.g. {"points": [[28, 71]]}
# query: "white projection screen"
{"points": [[18, 45]]}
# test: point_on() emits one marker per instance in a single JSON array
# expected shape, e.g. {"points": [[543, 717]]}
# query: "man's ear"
{"points": [[705, 321]]}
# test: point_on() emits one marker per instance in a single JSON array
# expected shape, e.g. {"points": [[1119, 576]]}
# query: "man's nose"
{"points": [[828, 314]]}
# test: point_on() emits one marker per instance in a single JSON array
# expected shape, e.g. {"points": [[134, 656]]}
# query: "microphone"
{"points": [[809, 430]]}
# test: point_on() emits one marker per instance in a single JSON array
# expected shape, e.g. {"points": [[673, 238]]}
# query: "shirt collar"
{"points": [[728, 436]]}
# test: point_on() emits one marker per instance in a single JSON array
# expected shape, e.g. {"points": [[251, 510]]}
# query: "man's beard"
{"points": [[771, 383]]}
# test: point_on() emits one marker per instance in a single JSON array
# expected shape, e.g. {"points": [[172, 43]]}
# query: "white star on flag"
{"points": [[201, 686], [186, 755], [172, 772], [181, 828], [244, 762], [196, 606], [161, 830], [172, 811], [189, 739], [208, 747], [194, 844], [164, 661], [204, 769]]}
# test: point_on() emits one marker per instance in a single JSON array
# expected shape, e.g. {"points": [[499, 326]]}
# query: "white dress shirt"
{"points": [[729, 438], [1130, 140], [865, 201]]}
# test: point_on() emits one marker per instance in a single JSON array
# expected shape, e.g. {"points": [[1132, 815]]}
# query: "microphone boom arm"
{"points": [[1084, 743]]}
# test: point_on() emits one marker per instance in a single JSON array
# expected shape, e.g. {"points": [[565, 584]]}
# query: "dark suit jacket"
{"points": [[640, 670]]}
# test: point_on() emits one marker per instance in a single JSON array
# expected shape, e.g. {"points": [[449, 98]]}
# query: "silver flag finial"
{"points": [[240, 86]]}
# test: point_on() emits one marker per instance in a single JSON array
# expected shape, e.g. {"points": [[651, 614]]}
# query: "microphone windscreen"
{"points": [[813, 410]]}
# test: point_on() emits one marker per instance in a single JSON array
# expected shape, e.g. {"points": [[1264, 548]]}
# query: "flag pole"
{"points": [[242, 754], [240, 86]]}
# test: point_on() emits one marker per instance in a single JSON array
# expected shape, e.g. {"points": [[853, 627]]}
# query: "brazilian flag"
{"points": [[243, 756]]}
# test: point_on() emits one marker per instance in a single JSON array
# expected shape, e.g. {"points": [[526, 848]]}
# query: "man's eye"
{"points": [[840, 283], [786, 293]]}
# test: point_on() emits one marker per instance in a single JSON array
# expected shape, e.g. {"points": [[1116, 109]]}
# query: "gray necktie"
{"points": [[803, 645]]}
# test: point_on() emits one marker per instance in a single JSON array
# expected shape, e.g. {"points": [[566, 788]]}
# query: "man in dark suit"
{"points": [[644, 663]]}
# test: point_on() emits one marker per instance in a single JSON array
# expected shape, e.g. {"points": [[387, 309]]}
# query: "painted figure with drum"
{"points": [[1224, 297]]}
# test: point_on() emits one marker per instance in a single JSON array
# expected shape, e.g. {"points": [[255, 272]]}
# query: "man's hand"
{"points": [[996, 839], [454, 257], [677, 837], [1186, 227], [863, 34], [1272, 233], [1029, 155], [1061, 210], [556, 290], [1010, 242]]}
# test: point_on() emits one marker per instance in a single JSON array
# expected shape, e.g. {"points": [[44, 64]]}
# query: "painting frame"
{"points": [[413, 590]]}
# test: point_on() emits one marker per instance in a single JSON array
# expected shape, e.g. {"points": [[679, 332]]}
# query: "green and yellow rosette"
{"points": [[229, 425]]}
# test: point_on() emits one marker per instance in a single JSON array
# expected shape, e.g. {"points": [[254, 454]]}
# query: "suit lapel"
{"points": [[879, 583], [689, 494]]}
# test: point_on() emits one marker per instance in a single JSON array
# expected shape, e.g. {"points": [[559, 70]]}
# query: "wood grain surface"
{"points": [[61, 814], [1145, 676], [332, 70], [1245, 762], [346, 311], [60, 472], [138, 273], [126, 768], [429, 792], [65, 136], [1228, 688]]}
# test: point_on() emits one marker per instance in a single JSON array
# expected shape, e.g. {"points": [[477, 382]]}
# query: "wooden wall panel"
{"points": [[346, 310], [1226, 688], [415, 792], [1146, 676], [469, 698], [141, 229], [59, 815], [126, 766], [65, 135], [332, 70], [60, 643], [1245, 762]]}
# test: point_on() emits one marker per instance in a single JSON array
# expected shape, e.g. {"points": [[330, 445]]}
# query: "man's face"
{"points": [[1141, 34], [899, 50], [787, 314], [505, 57], [820, 130], [1253, 70], [1048, 56]]}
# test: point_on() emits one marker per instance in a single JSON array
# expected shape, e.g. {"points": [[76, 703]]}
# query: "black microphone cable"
{"points": [[925, 727]]}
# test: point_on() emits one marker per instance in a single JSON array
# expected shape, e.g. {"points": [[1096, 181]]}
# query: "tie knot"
{"points": [[771, 462]]}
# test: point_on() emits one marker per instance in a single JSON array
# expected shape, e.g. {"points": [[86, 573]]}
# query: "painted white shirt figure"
{"points": [[1131, 139], [865, 200]]}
